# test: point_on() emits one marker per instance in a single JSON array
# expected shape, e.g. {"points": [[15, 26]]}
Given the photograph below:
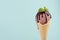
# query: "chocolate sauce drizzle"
{"points": [[41, 13]]}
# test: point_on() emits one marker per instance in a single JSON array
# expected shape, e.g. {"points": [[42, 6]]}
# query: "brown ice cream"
{"points": [[43, 17]]}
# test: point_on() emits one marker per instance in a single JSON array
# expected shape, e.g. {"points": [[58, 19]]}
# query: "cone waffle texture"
{"points": [[43, 30]]}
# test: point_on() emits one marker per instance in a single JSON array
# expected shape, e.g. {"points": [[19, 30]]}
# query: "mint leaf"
{"points": [[45, 9], [40, 10]]}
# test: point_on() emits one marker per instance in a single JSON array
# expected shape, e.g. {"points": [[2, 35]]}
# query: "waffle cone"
{"points": [[43, 30]]}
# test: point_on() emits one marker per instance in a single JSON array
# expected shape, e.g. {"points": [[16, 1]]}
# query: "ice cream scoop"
{"points": [[43, 17], [43, 21]]}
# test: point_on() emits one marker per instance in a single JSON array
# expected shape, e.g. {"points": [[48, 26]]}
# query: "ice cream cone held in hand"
{"points": [[43, 21]]}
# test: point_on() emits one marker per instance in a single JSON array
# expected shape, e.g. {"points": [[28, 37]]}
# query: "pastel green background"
{"points": [[17, 19]]}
